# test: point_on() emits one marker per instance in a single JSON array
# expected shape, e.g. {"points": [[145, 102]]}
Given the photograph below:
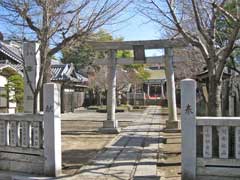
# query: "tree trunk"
{"points": [[35, 102], [98, 97], [225, 98], [134, 95], [62, 99], [214, 97], [47, 73], [91, 97], [117, 98]]}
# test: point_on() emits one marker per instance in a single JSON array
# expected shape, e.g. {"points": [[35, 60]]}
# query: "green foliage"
{"points": [[82, 55], [15, 84], [124, 54], [142, 74]]}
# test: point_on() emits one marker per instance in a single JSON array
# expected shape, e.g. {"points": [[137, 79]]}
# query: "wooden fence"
{"points": [[210, 145]]}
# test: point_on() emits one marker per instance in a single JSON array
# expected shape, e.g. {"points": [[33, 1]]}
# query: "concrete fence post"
{"points": [[188, 124], [52, 130]]}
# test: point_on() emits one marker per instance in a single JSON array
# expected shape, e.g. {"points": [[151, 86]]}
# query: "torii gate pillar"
{"points": [[111, 124], [172, 122]]}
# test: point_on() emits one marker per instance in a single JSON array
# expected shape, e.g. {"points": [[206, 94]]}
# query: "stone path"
{"points": [[132, 155]]}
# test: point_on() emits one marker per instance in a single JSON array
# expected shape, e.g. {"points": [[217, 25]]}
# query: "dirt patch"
{"points": [[77, 150]]}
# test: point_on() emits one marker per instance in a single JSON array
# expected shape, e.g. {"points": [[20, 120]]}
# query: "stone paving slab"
{"points": [[133, 155]]}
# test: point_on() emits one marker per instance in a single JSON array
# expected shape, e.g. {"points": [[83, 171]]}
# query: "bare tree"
{"points": [[56, 24], [98, 80], [197, 22], [191, 66]]}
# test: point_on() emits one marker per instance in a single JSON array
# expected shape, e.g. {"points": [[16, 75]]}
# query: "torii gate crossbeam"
{"points": [[111, 124]]}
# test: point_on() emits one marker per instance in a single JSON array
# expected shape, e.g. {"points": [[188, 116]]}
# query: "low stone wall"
{"points": [[21, 140], [31, 143], [210, 145]]}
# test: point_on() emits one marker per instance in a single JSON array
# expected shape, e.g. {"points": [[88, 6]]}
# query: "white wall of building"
{"points": [[3, 101]]}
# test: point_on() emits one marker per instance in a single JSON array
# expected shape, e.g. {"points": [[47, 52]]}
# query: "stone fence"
{"points": [[210, 145], [31, 143]]}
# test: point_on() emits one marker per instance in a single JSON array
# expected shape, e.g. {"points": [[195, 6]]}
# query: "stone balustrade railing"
{"points": [[31, 143], [210, 145], [21, 130]]}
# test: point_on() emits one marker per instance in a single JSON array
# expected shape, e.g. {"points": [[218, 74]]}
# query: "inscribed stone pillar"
{"points": [[188, 121], [172, 122], [32, 67], [52, 130], [111, 124]]}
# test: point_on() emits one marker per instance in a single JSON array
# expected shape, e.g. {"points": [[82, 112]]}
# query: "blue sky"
{"points": [[137, 28]]}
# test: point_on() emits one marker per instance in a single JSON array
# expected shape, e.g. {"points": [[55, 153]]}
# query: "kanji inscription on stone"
{"points": [[25, 134], [223, 142], [36, 134], [13, 133], [207, 141], [188, 109], [237, 142], [49, 108], [2, 132]]}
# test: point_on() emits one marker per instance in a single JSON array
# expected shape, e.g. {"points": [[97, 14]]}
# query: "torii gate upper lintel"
{"points": [[139, 47], [148, 44]]}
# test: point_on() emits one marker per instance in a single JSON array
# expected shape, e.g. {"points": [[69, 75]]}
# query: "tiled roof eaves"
{"points": [[10, 53], [61, 72]]}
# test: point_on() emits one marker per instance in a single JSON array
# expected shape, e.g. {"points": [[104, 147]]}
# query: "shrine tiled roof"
{"points": [[60, 72], [11, 51], [66, 72]]}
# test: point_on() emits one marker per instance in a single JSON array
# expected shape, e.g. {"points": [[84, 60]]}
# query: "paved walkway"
{"points": [[132, 155]]}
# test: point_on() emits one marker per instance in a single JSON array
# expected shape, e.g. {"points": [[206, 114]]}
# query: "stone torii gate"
{"points": [[138, 47]]}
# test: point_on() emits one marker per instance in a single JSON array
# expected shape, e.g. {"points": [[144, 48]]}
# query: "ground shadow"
{"points": [[76, 158], [138, 141]]}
